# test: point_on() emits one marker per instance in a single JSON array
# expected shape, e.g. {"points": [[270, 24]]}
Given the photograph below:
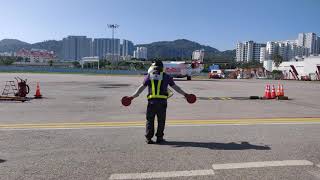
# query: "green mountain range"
{"points": [[12, 45], [183, 48], [178, 49]]}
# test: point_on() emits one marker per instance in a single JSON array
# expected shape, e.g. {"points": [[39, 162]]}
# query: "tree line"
{"points": [[7, 60]]}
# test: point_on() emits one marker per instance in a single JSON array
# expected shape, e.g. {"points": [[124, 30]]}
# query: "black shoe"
{"points": [[149, 141], [160, 140]]}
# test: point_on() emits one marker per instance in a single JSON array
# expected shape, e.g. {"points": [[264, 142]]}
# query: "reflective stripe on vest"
{"points": [[155, 94]]}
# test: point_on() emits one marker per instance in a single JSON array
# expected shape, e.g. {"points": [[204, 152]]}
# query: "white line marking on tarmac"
{"points": [[169, 174], [262, 164], [126, 127]]}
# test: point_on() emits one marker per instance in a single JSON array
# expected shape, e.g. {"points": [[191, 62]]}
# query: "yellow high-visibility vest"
{"points": [[154, 93]]}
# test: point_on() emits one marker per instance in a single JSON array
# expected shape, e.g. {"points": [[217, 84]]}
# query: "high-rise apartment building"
{"points": [[115, 49], [318, 44], [104, 47], [309, 40], [127, 48], [271, 49], [283, 50], [76, 47], [240, 50], [288, 50], [141, 53], [248, 51], [311, 43], [101, 47], [263, 54], [301, 39]]}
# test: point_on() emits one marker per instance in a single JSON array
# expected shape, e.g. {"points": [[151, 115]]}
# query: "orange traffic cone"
{"points": [[282, 90], [38, 94], [279, 90], [273, 92], [269, 92], [266, 92]]}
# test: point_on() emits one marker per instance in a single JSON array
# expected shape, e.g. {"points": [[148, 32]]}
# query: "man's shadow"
{"points": [[217, 146], [2, 160]]}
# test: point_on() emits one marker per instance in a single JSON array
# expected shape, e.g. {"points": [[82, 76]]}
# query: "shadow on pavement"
{"points": [[217, 146], [2, 161]]}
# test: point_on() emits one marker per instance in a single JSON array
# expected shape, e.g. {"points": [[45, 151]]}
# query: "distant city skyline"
{"points": [[220, 24], [78, 47], [304, 45]]}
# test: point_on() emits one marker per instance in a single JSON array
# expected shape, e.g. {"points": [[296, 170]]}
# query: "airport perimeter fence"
{"points": [[48, 69]]}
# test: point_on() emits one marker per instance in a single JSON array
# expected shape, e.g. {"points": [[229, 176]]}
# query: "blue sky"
{"points": [[218, 23]]}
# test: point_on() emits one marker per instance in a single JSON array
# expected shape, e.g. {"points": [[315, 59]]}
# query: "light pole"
{"points": [[113, 27]]}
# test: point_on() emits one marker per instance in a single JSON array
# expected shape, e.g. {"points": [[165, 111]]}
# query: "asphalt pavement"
{"points": [[85, 98], [191, 152], [79, 130]]}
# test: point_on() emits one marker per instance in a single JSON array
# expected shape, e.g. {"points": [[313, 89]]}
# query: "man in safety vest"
{"points": [[157, 82]]}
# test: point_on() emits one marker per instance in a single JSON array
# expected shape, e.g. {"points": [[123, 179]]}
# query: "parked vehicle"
{"points": [[216, 74]]}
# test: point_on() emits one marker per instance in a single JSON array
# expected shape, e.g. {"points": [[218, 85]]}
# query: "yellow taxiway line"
{"points": [[169, 122]]}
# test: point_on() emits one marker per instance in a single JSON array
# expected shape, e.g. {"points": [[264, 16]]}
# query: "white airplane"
{"points": [[181, 69]]}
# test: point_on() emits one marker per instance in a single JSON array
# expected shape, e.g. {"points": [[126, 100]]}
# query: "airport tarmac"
{"points": [[81, 131], [89, 98]]}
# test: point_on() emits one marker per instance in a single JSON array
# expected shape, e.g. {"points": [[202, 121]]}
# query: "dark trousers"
{"points": [[158, 109]]}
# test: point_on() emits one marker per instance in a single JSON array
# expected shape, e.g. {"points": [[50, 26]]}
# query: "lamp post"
{"points": [[113, 27]]}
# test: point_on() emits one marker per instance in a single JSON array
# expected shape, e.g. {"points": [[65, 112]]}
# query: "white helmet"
{"points": [[152, 68]]}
